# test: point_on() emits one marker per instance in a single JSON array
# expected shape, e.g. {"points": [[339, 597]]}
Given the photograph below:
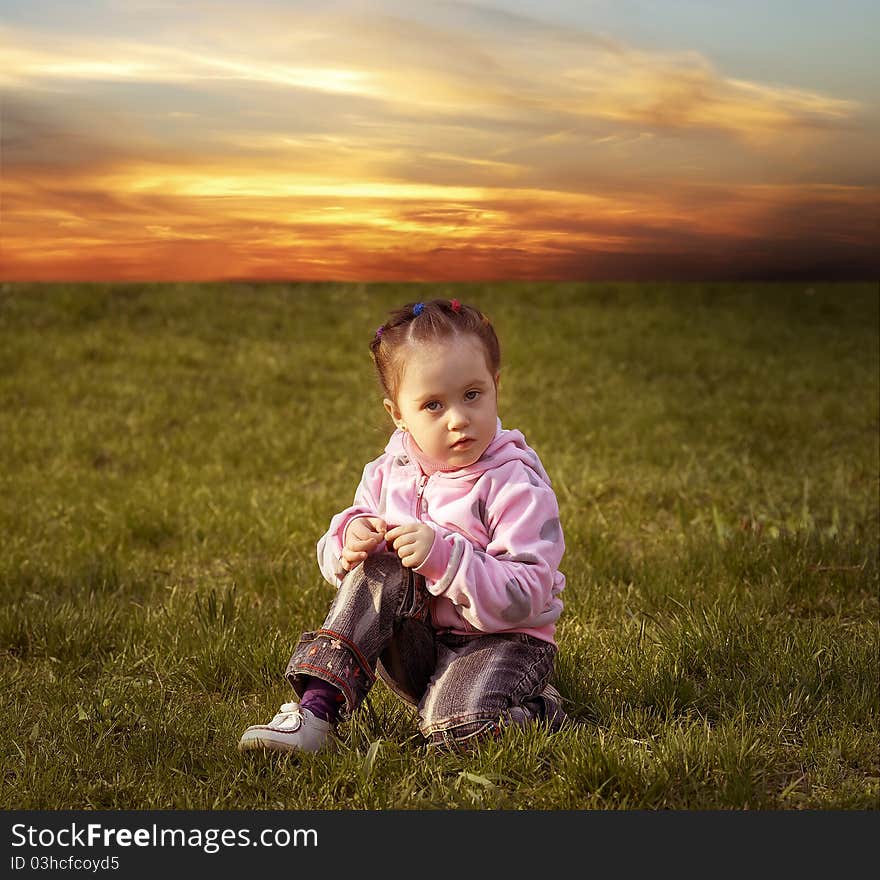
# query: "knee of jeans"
{"points": [[379, 580], [376, 569], [382, 565]]}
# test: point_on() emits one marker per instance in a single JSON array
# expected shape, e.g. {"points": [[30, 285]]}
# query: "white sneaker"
{"points": [[292, 730]]}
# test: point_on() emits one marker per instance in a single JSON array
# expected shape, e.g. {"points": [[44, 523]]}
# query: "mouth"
{"points": [[464, 443]]}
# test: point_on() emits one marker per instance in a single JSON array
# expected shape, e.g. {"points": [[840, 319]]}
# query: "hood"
{"points": [[506, 446]]}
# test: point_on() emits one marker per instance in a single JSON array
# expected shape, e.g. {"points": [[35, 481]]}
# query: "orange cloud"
{"points": [[533, 153], [179, 226]]}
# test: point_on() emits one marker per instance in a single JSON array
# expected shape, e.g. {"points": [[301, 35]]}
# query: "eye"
{"points": [[432, 405], [472, 395]]}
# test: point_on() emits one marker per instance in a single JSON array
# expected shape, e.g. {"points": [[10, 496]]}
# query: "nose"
{"points": [[456, 419]]}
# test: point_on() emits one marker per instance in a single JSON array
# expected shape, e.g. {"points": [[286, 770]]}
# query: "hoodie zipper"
{"points": [[422, 483]]}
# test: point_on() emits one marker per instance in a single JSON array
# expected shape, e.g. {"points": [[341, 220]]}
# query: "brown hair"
{"points": [[427, 322]]}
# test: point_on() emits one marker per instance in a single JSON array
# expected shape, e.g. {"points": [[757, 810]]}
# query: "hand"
{"points": [[362, 537], [412, 541]]}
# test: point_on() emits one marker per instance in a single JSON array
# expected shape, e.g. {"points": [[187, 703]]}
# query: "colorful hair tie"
{"points": [[379, 332], [455, 305], [418, 308]]}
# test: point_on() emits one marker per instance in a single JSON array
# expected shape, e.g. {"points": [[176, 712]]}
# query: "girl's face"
{"points": [[447, 400]]}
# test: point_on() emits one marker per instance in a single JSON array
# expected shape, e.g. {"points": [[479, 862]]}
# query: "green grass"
{"points": [[171, 454]]}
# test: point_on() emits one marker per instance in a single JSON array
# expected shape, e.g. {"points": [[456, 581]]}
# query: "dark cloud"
{"points": [[39, 135]]}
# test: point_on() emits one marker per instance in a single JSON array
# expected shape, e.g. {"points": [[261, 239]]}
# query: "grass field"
{"points": [[171, 454]]}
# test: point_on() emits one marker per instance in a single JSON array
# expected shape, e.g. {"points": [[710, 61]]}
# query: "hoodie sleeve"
{"points": [[368, 501], [513, 583]]}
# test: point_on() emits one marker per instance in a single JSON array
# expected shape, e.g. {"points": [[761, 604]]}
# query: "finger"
{"points": [[411, 552], [349, 564], [353, 557], [368, 541], [412, 559], [363, 527], [358, 544], [378, 525], [397, 531], [374, 542], [404, 541], [359, 534]]}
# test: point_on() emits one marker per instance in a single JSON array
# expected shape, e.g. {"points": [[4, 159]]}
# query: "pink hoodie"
{"points": [[493, 566]]}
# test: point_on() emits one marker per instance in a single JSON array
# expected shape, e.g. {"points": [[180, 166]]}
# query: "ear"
{"points": [[393, 411]]}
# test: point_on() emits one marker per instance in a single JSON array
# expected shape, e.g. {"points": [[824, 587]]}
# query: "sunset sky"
{"points": [[386, 140]]}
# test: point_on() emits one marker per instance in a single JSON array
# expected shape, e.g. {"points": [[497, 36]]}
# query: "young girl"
{"points": [[447, 562]]}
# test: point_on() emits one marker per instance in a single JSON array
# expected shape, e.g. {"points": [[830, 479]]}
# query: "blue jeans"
{"points": [[463, 686]]}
